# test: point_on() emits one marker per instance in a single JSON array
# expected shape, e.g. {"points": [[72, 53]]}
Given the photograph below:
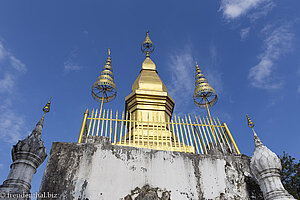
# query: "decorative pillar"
{"points": [[27, 156], [266, 166]]}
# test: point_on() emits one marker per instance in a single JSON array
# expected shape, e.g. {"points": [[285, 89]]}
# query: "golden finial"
{"points": [[46, 108], [147, 46], [256, 138], [250, 123], [204, 94], [104, 89], [108, 61]]}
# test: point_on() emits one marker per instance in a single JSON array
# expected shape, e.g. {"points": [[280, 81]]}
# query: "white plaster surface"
{"points": [[213, 177], [110, 177], [108, 172]]}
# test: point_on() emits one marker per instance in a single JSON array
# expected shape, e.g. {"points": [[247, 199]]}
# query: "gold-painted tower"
{"points": [[149, 103]]}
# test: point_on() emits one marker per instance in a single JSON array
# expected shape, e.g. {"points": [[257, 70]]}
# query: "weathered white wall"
{"points": [[213, 177], [115, 174], [105, 171]]}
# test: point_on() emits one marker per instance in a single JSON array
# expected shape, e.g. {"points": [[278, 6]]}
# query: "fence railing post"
{"points": [[231, 139], [179, 134], [86, 114]]}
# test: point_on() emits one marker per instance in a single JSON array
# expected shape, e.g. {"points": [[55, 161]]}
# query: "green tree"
{"points": [[290, 175]]}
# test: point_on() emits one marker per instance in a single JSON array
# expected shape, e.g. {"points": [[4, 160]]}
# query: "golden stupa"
{"points": [[150, 104]]}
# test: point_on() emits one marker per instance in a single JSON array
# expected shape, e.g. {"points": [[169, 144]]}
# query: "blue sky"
{"points": [[247, 49]]}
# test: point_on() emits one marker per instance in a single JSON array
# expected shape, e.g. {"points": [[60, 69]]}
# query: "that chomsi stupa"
{"points": [[146, 152]]}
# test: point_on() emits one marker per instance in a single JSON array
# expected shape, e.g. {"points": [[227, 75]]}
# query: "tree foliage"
{"points": [[290, 175]]}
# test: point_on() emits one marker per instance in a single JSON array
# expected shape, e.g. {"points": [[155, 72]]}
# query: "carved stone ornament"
{"points": [[266, 166], [27, 156], [148, 193], [31, 147]]}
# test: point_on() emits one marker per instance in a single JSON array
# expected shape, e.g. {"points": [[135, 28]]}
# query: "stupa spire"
{"points": [[204, 94], [149, 103], [256, 138], [104, 89], [46, 108], [39, 126], [108, 61], [147, 46]]}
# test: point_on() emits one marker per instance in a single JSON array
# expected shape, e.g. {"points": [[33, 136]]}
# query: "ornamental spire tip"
{"points": [[46, 108], [250, 123], [204, 94], [105, 89], [147, 46], [108, 61]]}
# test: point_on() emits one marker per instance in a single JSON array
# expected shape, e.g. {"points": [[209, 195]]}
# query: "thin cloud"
{"points": [[213, 54], [210, 71], [181, 69], [17, 64], [298, 89], [11, 66], [182, 80], [8, 57], [244, 33], [69, 64], [277, 43], [2, 51], [262, 11], [11, 123], [214, 78], [7, 83], [233, 9]]}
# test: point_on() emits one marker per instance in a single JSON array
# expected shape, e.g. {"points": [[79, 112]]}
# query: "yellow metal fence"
{"points": [[183, 134]]}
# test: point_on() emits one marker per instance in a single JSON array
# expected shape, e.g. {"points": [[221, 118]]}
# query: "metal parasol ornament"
{"points": [[147, 46], [104, 89]]}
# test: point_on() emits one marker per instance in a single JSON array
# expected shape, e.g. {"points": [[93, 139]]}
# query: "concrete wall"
{"points": [[100, 170]]}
